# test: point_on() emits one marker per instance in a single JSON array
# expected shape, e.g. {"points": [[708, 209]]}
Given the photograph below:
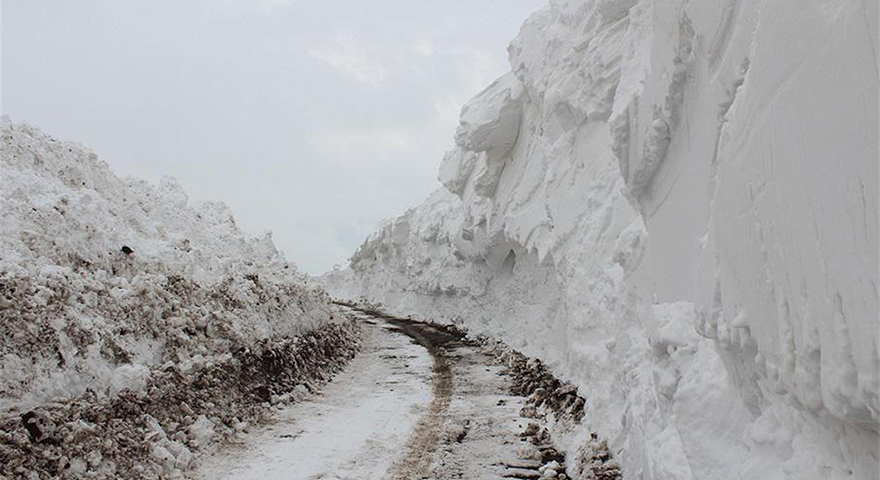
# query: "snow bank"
{"points": [[102, 278], [674, 204]]}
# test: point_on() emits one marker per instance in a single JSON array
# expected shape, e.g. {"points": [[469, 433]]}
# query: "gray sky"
{"points": [[313, 119]]}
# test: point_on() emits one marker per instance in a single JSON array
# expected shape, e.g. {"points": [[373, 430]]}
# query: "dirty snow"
{"points": [[77, 312], [128, 317], [355, 428], [420, 401]]}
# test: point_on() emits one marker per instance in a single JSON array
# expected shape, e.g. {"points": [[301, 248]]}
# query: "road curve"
{"points": [[419, 402]]}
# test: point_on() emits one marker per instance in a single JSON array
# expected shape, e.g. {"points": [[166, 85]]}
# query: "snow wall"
{"points": [[674, 204], [77, 313]]}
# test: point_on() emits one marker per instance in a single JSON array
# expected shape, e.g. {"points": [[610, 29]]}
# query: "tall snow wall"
{"points": [[674, 204]]}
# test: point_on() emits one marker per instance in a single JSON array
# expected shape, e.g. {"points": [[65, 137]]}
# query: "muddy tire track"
{"points": [[422, 445], [487, 416]]}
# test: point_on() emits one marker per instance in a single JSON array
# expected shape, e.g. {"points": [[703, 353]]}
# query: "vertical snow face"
{"points": [[675, 205]]}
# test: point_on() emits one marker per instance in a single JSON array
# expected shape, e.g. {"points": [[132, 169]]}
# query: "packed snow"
{"points": [[674, 204], [354, 429]]}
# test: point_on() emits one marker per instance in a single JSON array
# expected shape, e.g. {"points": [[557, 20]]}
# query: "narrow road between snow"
{"points": [[418, 402]]}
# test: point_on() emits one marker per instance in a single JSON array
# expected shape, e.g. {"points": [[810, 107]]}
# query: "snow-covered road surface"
{"points": [[415, 404], [355, 428]]}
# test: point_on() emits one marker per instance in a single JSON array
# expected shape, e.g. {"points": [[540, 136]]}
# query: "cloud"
{"points": [[424, 47], [384, 145], [249, 7], [273, 4], [347, 56]]}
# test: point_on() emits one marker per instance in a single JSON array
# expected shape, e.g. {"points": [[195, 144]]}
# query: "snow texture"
{"points": [[354, 428], [102, 279], [673, 204]]}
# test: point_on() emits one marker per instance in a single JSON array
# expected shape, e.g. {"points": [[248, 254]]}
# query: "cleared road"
{"points": [[418, 402]]}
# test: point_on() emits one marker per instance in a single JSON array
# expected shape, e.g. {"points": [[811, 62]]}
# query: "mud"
{"points": [[156, 435], [439, 434], [423, 444], [437, 339], [440, 446]]}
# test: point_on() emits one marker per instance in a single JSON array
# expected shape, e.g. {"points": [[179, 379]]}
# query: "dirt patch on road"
{"points": [[448, 440], [438, 340], [423, 443]]}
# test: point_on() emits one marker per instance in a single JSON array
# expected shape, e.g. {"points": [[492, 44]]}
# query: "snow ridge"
{"points": [[102, 279], [674, 205]]}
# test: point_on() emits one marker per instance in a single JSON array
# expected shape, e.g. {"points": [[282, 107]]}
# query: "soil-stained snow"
{"points": [[136, 329], [674, 204], [77, 312], [354, 429], [420, 401]]}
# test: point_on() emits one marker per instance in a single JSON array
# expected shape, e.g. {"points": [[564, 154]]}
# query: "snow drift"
{"points": [[103, 278], [138, 331], [674, 204]]}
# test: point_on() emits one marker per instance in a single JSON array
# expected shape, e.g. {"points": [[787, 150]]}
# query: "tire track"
{"points": [[423, 443], [483, 420]]}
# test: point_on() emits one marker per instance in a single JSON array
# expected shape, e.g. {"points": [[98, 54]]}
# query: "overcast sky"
{"points": [[313, 119]]}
